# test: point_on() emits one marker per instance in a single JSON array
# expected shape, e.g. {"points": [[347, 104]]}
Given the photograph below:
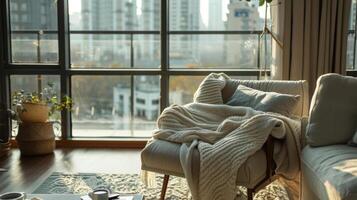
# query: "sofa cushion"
{"points": [[164, 157], [331, 171], [284, 104], [333, 112], [279, 86]]}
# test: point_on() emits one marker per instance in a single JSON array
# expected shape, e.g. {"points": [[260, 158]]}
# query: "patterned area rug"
{"points": [[82, 183]]}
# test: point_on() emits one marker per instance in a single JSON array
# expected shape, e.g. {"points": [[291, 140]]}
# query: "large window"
{"points": [[124, 61]]}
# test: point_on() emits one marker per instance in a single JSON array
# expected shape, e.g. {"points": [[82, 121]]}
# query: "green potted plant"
{"points": [[32, 110], [37, 107]]}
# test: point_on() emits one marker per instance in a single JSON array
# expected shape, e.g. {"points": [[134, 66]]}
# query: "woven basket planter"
{"points": [[33, 112], [36, 138]]}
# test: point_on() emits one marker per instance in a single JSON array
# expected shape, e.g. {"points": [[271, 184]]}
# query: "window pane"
{"points": [[93, 49], [115, 51], [352, 23], [103, 106], [29, 48], [146, 105], [34, 31], [182, 88], [266, 59], [30, 83], [100, 51], [114, 14], [215, 15], [350, 51], [33, 14], [214, 51], [351, 54], [146, 50]]}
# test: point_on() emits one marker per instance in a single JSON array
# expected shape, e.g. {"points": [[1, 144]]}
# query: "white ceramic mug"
{"points": [[99, 194], [13, 196]]}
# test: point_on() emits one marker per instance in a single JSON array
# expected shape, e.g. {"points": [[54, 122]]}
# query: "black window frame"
{"points": [[64, 70]]}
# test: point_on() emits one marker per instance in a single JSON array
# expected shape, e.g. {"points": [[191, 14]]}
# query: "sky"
{"points": [[75, 6]]}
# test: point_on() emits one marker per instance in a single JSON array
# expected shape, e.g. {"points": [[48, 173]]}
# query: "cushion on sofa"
{"points": [[284, 104], [333, 111], [331, 171]]}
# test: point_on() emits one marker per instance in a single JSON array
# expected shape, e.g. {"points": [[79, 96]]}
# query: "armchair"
{"points": [[258, 171]]}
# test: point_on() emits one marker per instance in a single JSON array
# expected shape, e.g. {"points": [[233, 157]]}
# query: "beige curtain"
{"points": [[314, 36], [314, 33]]}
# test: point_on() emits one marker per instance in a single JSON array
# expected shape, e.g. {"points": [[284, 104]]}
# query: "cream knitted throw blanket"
{"points": [[225, 137]]}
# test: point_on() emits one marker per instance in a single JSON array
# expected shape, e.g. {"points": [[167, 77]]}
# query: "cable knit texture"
{"points": [[225, 136]]}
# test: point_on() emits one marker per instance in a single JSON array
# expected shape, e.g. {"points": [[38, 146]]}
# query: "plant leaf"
{"points": [[261, 2], [269, 1]]}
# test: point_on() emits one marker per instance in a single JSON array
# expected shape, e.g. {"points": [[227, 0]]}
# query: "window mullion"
{"points": [[164, 44], [354, 43], [64, 61], [5, 127]]}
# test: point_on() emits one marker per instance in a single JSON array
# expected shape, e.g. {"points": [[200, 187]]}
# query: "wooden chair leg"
{"points": [[250, 193], [164, 187]]}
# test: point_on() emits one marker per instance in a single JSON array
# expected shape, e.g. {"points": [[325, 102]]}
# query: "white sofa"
{"points": [[328, 164]]}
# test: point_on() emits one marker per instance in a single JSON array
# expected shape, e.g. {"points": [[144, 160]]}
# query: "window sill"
{"points": [[352, 73], [97, 143]]}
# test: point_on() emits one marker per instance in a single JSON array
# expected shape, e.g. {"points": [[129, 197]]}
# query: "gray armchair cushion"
{"points": [[333, 112], [284, 104], [164, 157]]}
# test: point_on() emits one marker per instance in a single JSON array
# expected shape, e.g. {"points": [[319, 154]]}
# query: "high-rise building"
{"points": [[33, 15], [113, 15], [242, 16], [39, 16], [146, 101], [212, 46], [215, 21], [109, 15], [139, 15], [353, 16], [147, 48], [184, 16]]}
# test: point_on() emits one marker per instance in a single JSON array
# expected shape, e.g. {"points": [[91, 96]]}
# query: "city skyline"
{"points": [[76, 6], [117, 104]]}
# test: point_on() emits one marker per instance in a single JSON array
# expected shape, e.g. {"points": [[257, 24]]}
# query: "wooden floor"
{"points": [[25, 174]]}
